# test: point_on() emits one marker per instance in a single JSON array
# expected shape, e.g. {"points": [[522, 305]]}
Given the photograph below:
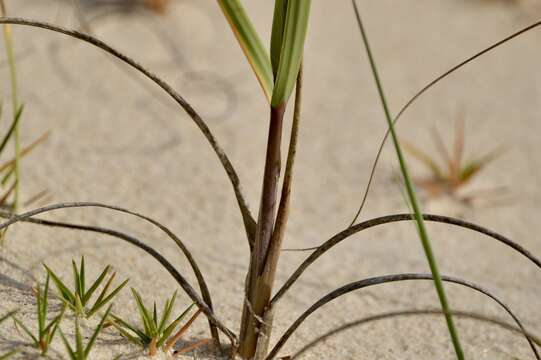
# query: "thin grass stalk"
{"points": [[405, 313], [272, 256], [390, 279], [423, 234], [247, 217], [8, 40], [388, 219], [419, 93], [206, 308]]}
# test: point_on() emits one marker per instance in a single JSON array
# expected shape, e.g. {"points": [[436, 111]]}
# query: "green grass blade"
{"points": [[155, 316], [8, 40], [76, 280], [12, 128], [69, 349], [79, 347], [167, 332], [296, 26], [145, 316], [61, 287], [96, 283], [103, 301], [97, 331], [138, 340], [53, 327], [79, 307], [168, 308], [7, 316], [42, 310], [277, 35], [250, 43], [46, 297], [412, 198], [120, 324], [423, 158], [19, 323], [82, 276]]}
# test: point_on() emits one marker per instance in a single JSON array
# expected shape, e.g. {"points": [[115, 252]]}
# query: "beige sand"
{"points": [[119, 140]]}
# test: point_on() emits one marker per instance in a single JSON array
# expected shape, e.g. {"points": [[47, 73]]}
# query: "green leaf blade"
{"points": [[295, 29], [250, 43], [277, 35]]}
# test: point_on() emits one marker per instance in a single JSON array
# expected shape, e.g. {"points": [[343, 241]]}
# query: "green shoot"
{"points": [[46, 331], [156, 331], [81, 352], [291, 44], [456, 173], [250, 43], [79, 298], [8, 40], [412, 197]]}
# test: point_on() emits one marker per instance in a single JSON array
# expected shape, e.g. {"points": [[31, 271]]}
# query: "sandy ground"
{"points": [[118, 139]]}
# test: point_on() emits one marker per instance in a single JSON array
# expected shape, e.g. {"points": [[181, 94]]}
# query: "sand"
{"points": [[116, 138]]}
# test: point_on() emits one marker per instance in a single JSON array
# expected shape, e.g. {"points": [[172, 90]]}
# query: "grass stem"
{"points": [[423, 234], [8, 40]]}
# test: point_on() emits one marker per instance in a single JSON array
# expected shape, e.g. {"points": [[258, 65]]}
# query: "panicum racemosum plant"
{"points": [[279, 72]]}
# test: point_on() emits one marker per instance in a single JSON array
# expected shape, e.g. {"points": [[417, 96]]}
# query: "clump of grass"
{"points": [[456, 172], [80, 351], [46, 331], [156, 331], [79, 298]]}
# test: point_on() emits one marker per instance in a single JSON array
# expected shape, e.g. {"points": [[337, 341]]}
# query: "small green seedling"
{"points": [[457, 173], [81, 352], [156, 332], [79, 299], [46, 332]]}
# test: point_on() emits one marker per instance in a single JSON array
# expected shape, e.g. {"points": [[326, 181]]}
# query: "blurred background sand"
{"points": [[118, 139]]}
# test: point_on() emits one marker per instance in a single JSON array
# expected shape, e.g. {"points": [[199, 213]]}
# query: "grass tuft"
{"points": [[156, 331], [79, 298], [46, 331], [456, 172]]}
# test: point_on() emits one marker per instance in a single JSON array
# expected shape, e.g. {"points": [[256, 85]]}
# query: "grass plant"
{"points": [[157, 331], [46, 329], [279, 74], [456, 172], [79, 299]]}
